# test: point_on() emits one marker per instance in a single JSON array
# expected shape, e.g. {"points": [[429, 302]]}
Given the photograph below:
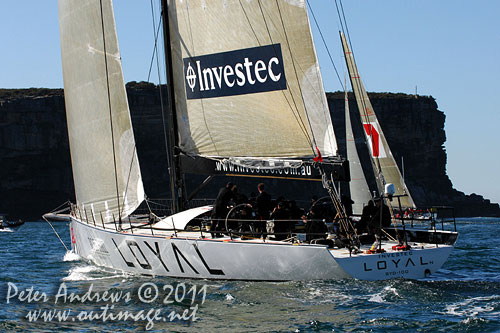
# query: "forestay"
{"points": [[387, 169], [247, 81], [102, 143]]}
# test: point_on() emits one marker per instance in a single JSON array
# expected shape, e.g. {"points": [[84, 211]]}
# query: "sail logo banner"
{"points": [[374, 141], [239, 72]]}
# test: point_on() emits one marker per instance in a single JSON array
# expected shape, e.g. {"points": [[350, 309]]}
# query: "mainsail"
{"points": [[247, 80], [385, 165], [360, 193], [106, 171]]}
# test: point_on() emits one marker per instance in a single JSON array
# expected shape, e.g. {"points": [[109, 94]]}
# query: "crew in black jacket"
{"points": [[221, 208]]}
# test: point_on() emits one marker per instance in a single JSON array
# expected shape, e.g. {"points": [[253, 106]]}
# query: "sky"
{"points": [[449, 49]]}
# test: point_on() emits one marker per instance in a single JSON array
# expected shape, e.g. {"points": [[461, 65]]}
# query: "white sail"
{"points": [[360, 193], [106, 171], [386, 168], [247, 80]]}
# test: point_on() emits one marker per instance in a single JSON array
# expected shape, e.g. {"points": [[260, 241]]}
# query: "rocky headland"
{"points": [[35, 162]]}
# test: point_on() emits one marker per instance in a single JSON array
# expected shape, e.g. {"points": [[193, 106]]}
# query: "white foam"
{"points": [[470, 308], [392, 290], [315, 292], [92, 272], [376, 298], [6, 230], [317, 295], [471, 319], [380, 297], [71, 256], [80, 273]]}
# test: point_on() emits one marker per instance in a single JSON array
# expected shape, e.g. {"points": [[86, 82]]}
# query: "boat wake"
{"points": [[381, 297], [6, 230], [71, 256], [87, 272], [474, 306], [91, 272]]}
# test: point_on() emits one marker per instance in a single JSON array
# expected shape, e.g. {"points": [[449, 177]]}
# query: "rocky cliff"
{"points": [[35, 168], [414, 128]]}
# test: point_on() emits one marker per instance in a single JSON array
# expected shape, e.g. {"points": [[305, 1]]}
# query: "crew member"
{"points": [[381, 208], [281, 217], [263, 203], [220, 210], [367, 215]]}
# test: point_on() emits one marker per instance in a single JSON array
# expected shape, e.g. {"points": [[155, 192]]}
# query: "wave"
{"points": [[474, 306], [475, 220], [388, 291], [229, 298]]}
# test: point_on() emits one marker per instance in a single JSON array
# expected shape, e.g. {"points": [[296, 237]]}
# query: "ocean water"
{"points": [[36, 270]]}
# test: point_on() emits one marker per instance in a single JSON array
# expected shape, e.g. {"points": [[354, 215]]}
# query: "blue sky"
{"points": [[449, 49]]}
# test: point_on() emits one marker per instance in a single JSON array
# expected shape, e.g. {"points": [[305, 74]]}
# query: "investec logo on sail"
{"points": [[246, 71]]}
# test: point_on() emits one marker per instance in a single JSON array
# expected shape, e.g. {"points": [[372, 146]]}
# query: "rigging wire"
{"points": [[346, 27], [357, 83], [201, 99], [155, 55], [294, 108], [297, 76], [328, 51], [177, 188], [110, 112], [46, 220], [338, 14], [155, 52], [380, 176], [324, 43]]}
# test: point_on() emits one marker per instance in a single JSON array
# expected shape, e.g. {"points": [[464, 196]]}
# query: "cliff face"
{"points": [[414, 128], [35, 172], [35, 167]]}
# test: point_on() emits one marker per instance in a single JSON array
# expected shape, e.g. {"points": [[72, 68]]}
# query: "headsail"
{"points": [[247, 80], [360, 193], [385, 165], [105, 167]]}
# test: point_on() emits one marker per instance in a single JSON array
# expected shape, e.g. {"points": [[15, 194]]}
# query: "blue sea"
{"points": [[44, 288]]}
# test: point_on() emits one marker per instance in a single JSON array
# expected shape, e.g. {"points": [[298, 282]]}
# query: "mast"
{"points": [[176, 183]]}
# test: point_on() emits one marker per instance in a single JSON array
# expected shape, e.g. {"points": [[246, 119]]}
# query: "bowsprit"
{"points": [[245, 71]]}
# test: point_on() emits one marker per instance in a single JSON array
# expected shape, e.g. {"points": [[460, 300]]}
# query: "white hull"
{"points": [[191, 257], [413, 264]]}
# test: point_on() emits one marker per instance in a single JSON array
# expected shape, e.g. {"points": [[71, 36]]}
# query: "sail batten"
{"points": [[246, 82], [387, 170], [106, 171]]}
